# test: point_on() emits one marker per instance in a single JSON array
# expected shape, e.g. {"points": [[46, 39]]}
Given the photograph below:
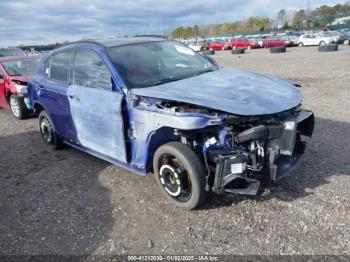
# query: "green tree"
{"points": [[281, 18], [299, 19]]}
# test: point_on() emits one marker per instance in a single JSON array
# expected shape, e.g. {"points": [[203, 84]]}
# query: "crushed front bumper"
{"points": [[283, 153]]}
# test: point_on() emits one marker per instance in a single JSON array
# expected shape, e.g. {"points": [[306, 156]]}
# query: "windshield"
{"points": [[21, 67], [11, 52], [156, 63]]}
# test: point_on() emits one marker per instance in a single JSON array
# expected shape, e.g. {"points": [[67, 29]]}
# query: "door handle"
{"points": [[74, 97], [41, 88]]}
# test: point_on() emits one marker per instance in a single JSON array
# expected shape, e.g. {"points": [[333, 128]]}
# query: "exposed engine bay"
{"points": [[242, 153]]}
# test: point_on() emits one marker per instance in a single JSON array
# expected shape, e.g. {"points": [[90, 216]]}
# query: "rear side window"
{"points": [[90, 71], [59, 66]]}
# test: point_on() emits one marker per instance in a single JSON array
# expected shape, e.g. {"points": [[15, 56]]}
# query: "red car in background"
{"points": [[273, 42], [14, 75], [219, 45], [244, 43]]}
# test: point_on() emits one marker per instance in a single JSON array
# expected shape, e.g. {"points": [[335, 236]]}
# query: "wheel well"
{"points": [[8, 95], [159, 138], [38, 108]]}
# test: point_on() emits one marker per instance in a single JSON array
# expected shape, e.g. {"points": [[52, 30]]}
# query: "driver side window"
{"points": [[90, 71]]}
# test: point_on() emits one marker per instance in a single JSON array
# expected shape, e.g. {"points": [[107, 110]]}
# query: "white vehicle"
{"points": [[315, 39], [197, 46]]}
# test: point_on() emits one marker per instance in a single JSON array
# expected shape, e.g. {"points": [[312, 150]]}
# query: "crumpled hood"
{"points": [[230, 90], [22, 79]]}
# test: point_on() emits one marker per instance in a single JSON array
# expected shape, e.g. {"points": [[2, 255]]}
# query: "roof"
{"points": [[122, 41], [13, 58]]}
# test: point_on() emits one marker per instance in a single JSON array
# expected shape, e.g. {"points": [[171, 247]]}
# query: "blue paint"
{"points": [[112, 125], [230, 90], [96, 115]]}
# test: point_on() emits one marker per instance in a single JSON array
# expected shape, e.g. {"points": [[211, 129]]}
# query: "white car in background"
{"points": [[198, 46], [316, 39]]}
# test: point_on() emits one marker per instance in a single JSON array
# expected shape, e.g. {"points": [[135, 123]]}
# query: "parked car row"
{"points": [[155, 105], [271, 40]]}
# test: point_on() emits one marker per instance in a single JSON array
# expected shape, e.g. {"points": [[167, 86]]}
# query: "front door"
{"points": [[3, 102], [95, 108]]}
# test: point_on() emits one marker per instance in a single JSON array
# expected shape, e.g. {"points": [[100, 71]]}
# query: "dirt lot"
{"points": [[67, 202]]}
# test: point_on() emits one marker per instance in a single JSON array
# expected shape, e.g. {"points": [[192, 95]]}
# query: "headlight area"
{"points": [[242, 156], [21, 89]]}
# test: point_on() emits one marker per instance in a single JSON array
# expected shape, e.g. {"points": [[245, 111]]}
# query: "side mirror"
{"points": [[211, 60]]}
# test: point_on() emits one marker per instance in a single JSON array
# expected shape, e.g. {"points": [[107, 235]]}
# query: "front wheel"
{"points": [[180, 174], [47, 131], [18, 107]]}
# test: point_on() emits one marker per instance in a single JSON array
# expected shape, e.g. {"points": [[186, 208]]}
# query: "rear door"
{"points": [[240, 43], [312, 40], [52, 91], [95, 108]]}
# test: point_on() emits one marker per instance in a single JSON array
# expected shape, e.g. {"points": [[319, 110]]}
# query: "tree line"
{"points": [[300, 19]]}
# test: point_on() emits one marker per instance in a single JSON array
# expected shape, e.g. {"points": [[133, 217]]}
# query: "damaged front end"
{"points": [[248, 152], [241, 153]]}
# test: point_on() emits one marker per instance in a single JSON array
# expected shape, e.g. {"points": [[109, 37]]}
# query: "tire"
{"points": [[48, 132], [346, 42], [18, 107], [301, 44], [234, 47], [208, 52], [328, 48], [238, 51], [170, 158], [278, 49], [322, 43], [249, 47]]}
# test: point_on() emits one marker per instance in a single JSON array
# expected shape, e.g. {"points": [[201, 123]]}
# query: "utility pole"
{"points": [[308, 14]]}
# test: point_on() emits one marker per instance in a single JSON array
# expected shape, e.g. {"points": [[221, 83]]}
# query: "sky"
{"points": [[49, 21]]}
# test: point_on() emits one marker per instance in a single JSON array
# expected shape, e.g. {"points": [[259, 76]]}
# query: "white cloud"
{"points": [[46, 21]]}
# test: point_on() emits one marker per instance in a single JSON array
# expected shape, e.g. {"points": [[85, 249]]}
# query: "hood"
{"points": [[23, 80], [230, 90]]}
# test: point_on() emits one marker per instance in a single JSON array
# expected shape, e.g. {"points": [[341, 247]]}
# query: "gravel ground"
{"points": [[67, 202]]}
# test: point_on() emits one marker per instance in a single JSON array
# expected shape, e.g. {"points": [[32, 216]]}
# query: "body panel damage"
{"points": [[99, 125], [240, 153], [192, 124], [230, 90]]}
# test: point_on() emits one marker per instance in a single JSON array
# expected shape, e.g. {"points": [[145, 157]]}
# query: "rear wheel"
{"points": [[322, 43], [347, 42], [301, 44], [47, 131], [18, 107], [180, 175]]}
